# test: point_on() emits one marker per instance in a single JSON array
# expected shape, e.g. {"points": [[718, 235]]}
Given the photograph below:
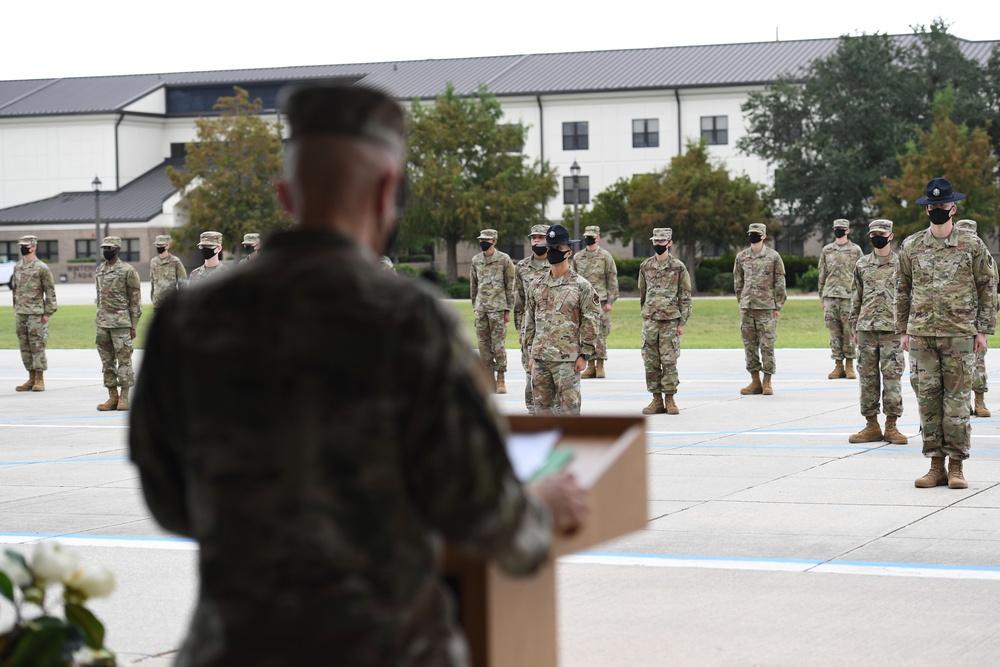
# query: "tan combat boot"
{"points": [[39, 382], [123, 400], [754, 387], [28, 384], [501, 384], [838, 371], [112, 402], [849, 369], [766, 385], [892, 434], [981, 409], [655, 406], [870, 433], [600, 368], [956, 480], [668, 403], [936, 476], [591, 371]]}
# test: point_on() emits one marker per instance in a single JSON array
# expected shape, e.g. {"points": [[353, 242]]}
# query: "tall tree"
{"points": [[229, 173], [468, 171]]}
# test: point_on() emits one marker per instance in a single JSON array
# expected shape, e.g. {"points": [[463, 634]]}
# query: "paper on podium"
{"points": [[528, 452]]}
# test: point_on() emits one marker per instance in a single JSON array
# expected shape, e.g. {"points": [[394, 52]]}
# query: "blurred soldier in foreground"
{"points": [[210, 245], [836, 290], [665, 297], [979, 380], [166, 272], [34, 294], [119, 307], [880, 348], [946, 305], [251, 247], [598, 266], [526, 272], [759, 279], [491, 286], [321, 505]]}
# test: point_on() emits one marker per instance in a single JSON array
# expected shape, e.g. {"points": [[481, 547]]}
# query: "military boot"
{"points": [[600, 368], [591, 371], [112, 402], [501, 384], [28, 384], [123, 400], [936, 476], [956, 480], [838, 371], [668, 403], [849, 369], [39, 382], [981, 409], [754, 387], [892, 434], [655, 406], [766, 385], [870, 433]]}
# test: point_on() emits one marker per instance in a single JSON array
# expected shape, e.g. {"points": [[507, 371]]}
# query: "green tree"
{"points": [[468, 172], [610, 210], [229, 173]]}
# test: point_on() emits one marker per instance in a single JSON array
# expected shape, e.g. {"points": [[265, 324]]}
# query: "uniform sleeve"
{"points": [[822, 272], [684, 295], [508, 283], [473, 282], [518, 296], [612, 274], [642, 285], [780, 295], [986, 286], [181, 274], [738, 278], [904, 287], [528, 330], [857, 297], [49, 287], [132, 287], [590, 319]]}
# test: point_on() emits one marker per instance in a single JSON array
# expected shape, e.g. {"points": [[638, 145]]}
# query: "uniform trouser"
{"points": [[661, 347], [491, 331], [979, 376], [880, 364], [31, 337], [555, 387], [601, 347], [837, 316], [941, 376], [525, 362], [115, 348], [760, 332]]}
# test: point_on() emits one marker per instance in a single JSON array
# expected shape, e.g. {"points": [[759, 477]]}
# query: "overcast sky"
{"points": [[60, 38]]}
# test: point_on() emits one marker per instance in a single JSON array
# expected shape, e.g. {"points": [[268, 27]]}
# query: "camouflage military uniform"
{"points": [[880, 350], [34, 297], [598, 267], [836, 289], [979, 379], [118, 311], [166, 275], [759, 280], [253, 239], [665, 296], [561, 320], [203, 272], [526, 272], [344, 473], [491, 286], [945, 295]]}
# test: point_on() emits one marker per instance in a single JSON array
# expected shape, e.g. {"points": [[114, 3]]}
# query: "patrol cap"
{"points": [[939, 191], [488, 235], [880, 225], [28, 240], [662, 234], [351, 111], [111, 242], [757, 228], [538, 230], [210, 239], [251, 238], [592, 230], [161, 240], [966, 225], [558, 235], [841, 223]]}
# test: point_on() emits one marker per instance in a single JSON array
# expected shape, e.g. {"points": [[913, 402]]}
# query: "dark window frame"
{"points": [[646, 137], [47, 250], [568, 190], [716, 136], [89, 249], [578, 139], [129, 251]]}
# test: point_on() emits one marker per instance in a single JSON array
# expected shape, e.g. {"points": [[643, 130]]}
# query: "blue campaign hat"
{"points": [[939, 192], [558, 235]]}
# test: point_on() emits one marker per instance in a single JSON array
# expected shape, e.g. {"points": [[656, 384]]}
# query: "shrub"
{"points": [[628, 284], [458, 290], [704, 277], [808, 281], [407, 270], [796, 266], [628, 266], [723, 283]]}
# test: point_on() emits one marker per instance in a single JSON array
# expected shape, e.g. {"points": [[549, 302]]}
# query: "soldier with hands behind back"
{"points": [[836, 290], [491, 286], [526, 272], [34, 294], [119, 307], [598, 266], [759, 281]]}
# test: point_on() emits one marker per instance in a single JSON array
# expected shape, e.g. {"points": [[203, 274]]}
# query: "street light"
{"points": [[96, 184], [575, 170]]}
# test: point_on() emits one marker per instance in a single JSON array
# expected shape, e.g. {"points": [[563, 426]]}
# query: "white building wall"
{"points": [[140, 146], [155, 102], [722, 102]]}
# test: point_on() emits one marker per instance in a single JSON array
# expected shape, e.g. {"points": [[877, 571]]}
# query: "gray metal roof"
{"points": [[634, 69], [139, 201]]}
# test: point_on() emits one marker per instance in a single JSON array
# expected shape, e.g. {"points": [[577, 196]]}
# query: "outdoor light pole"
{"points": [[575, 170], [96, 184]]}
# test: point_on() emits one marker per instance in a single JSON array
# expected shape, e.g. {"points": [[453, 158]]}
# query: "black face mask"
{"points": [[110, 254], [160, 250], [659, 249], [589, 240], [485, 245], [208, 253], [939, 216], [840, 232], [249, 249], [755, 237], [539, 250], [555, 255], [880, 241], [25, 250]]}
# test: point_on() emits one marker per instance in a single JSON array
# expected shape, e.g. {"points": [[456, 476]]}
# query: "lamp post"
{"points": [[96, 184], [575, 170]]}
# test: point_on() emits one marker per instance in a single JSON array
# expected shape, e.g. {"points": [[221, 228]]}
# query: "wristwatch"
{"points": [[585, 357]]}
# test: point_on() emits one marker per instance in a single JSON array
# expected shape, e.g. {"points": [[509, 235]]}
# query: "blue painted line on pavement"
{"points": [[48, 419], [740, 559], [31, 463], [130, 538], [676, 445]]}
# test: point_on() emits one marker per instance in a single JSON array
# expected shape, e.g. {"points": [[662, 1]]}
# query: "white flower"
{"points": [[52, 563], [14, 571], [93, 583]]}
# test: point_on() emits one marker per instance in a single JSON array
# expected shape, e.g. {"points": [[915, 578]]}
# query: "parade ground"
{"points": [[771, 540]]}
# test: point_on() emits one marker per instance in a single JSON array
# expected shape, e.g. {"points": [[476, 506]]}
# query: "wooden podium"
{"points": [[511, 621]]}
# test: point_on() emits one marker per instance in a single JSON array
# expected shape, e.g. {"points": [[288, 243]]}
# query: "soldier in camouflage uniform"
{"points": [[946, 305], [880, 348], [561, 320], [979, 380], [251, 247], [836, 290], [598, 266], [166, 272], [491, 286], [665, 296], [119, 307], [34, 294], [759, 280], [526, 272], [321, 507], [210, 245]]}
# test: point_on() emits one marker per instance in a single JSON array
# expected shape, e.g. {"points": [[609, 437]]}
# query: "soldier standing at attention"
{"points": [[251, 247], [34, 294], [759, 279], [598, 266], [526, 272], [119, 308], [836, 290], [880, 348], [491, 286], [210, 245], [166, 272], [946, 305], [665, 296], [561, 320], [320, 519], [979, 384]]}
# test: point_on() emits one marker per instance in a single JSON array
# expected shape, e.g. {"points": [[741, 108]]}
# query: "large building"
{"points": [[615, 113]]}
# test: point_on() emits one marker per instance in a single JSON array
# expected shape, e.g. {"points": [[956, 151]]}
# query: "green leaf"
{"points": [[6, 587], [40, 648], [93, 630], [18, 558]]}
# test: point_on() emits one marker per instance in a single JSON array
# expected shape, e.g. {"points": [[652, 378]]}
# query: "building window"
{"points": [[646, 133], [130, 250], [568, 190], [86, 249], [575, 136], [10, 251], [715, 130], [513, 248], [48, 250]]}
